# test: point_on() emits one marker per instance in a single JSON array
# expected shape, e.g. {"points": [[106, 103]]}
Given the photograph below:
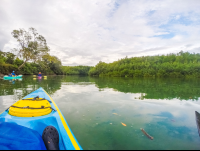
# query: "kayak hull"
{"points": [[17, 77], [55, 118]]}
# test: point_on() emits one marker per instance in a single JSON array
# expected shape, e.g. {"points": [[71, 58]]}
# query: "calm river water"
{"points": [[97, 109]]}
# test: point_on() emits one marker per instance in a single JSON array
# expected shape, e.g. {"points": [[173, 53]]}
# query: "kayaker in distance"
{"points": [[39, 75], [13, 74], [10, 75]]}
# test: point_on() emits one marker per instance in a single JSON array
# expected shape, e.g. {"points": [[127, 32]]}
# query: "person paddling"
{"points": [[39, 75], [13, 74]]}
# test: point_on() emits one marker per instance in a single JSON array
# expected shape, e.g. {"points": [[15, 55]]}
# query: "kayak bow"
{"points": [[37, 111]]}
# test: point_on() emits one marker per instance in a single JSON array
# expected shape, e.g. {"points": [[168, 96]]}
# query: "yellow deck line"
{"points": [[76, 146]]}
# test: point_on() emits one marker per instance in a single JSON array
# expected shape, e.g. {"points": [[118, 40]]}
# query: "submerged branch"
{"points": [[150, 137]]}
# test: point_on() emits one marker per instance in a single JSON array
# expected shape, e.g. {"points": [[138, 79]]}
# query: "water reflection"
{"points": [[90, 113], [95, 108], [183, 89], [27, 85]]}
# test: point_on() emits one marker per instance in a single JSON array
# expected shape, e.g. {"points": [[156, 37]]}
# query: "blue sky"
{"points": [[86, 32], [177, 19]]}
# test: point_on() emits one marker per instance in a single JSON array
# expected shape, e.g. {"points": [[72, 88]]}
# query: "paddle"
{"points": [[198, 121]]}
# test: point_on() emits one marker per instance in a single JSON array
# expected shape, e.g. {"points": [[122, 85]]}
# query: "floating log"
{"points": [[198, 121], [150, 137]]}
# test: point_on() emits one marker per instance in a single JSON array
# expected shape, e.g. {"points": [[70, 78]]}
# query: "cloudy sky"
{"points": [[84, 32]]}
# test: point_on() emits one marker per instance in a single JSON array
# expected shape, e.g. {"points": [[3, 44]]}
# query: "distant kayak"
{"points": [[35, 122], [17, 77]]}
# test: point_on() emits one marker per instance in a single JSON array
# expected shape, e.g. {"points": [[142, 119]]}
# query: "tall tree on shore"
{"points": [[32, 46]]}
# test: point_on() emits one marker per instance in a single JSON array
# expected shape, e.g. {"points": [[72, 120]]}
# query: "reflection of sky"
{"points": [[171, 109], [6, 101], [170, 122], [89, 113]]}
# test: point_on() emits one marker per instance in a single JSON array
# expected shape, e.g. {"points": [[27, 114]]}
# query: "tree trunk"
{"points": [[22, 64]]}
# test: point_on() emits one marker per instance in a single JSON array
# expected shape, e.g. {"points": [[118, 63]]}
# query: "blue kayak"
{"points": [[35, 122], [17, 77]]}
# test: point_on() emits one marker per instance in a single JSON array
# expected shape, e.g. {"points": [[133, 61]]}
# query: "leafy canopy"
{"points": [[32, 46]]}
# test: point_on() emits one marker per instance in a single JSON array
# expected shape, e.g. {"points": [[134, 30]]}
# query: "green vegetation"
{"points": [[6, 61], [171, 65], [48, 65], [76, 70]]}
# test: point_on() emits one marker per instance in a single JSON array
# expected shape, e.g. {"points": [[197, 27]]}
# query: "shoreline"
{"points": [[2, 75]]}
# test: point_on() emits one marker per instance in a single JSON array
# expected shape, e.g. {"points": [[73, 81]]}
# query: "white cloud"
{"points": [[177, 17], [85, 32]]}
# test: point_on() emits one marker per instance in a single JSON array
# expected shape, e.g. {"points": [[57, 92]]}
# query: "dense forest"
{"points": [[75, 70], [182, 64], [9, 62]]}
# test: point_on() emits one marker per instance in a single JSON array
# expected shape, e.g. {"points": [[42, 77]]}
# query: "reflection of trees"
{"points": [[22, 88], [28, 85], [75, 79], [153, 88], [150, 88]]}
